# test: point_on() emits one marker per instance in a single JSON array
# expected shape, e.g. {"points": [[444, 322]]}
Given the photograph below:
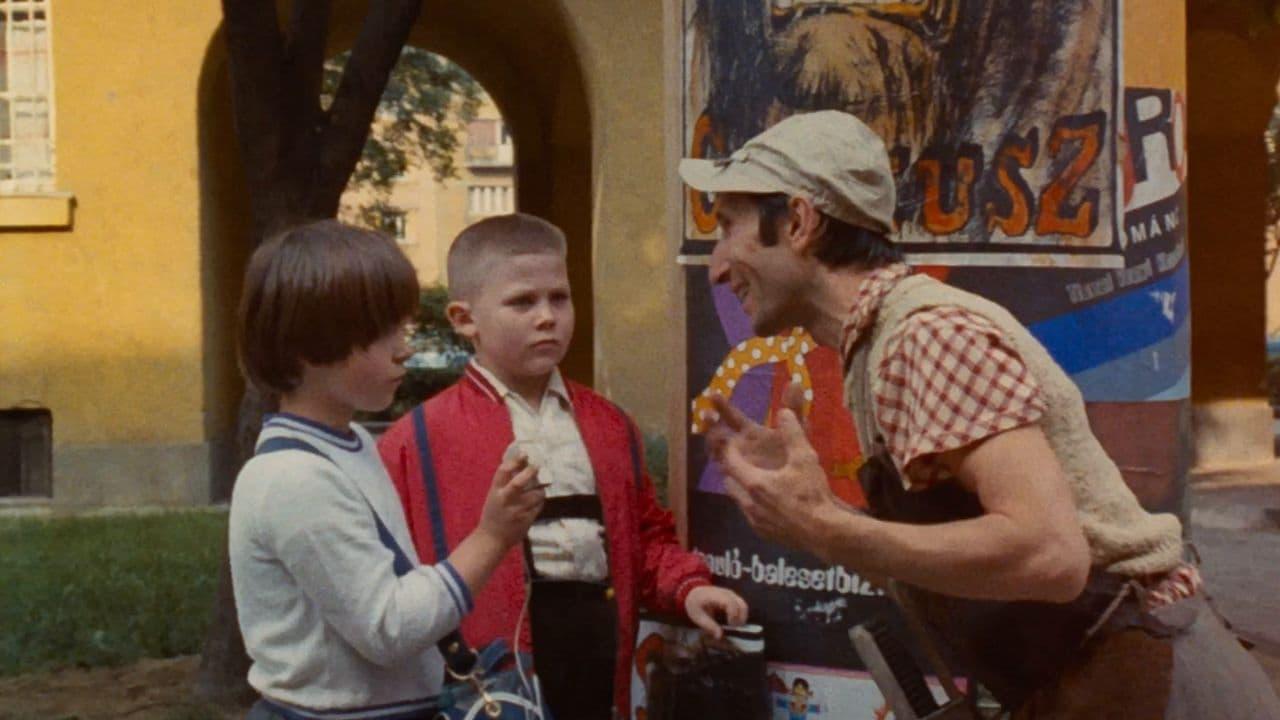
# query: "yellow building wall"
{"points": [[103, 321], [633, 262], [418, 198], [448, 218]]}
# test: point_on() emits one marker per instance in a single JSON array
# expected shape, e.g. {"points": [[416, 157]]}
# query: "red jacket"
{"points": [[468, 429]]}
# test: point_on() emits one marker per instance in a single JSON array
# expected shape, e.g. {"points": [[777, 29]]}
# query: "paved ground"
{"points": [[1237, 532]]}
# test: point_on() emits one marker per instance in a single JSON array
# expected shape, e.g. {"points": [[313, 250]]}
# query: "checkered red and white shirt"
{"points": [[949, 379]]}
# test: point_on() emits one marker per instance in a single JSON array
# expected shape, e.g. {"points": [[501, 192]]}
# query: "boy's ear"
{"points": [[459, 314]]}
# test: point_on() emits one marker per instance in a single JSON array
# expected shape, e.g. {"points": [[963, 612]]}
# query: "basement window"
{"points": [[26, 452]]}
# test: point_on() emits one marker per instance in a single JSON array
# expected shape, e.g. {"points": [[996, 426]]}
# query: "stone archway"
{"points": [[1231, 75], [524, 57], [523, 54]]}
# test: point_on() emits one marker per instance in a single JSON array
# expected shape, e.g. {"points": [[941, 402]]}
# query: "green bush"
{"points": [[95, 591], [418, 385], [432, 323], [655, 460]]}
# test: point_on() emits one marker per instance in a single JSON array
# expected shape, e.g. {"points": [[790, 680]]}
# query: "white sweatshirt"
{"points": [[327, 622]]}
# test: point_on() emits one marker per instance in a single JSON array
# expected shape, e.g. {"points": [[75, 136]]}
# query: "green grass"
{"points": [[90, 591]]}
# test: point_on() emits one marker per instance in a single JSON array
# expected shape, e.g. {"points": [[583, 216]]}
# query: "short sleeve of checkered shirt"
{"points": [[949, 378]]}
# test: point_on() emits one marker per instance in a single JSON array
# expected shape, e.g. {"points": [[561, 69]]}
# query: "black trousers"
{"points": [[575, 647]]}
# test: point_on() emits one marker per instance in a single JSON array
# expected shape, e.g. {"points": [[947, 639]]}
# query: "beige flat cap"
{"points": [[829, 157]]}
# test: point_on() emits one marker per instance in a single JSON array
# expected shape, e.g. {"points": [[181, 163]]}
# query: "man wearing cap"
{"points": [[992, 504]]}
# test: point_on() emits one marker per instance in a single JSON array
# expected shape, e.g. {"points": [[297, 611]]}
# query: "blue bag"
{"points": [[487, 693]]}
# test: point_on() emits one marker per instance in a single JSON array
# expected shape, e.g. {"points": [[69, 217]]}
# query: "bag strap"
{"points": [[459, 657], [435, 511]]}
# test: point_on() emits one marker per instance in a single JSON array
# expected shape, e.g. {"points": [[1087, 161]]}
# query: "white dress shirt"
{"points": [[568, 548]]}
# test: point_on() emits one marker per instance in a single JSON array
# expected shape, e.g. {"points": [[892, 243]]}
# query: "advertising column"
{"points": [[1040, 159]]}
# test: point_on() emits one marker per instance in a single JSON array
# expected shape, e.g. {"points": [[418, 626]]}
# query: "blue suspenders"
{"points": [[434, 508]]}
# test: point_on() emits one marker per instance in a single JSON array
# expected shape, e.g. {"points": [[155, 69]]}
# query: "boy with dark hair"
{"points": [[339, 616], [602, 545]]}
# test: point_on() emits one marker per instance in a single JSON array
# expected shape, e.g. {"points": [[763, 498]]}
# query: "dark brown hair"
{"points": [[491, 240], [315, 293], [841, 245]]}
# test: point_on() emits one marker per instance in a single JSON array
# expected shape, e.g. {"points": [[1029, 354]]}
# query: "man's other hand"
{"points": [[773, 474]]}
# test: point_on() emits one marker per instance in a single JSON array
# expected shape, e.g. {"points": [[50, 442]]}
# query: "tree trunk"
{"points": [[224, 664], [297, 161]]}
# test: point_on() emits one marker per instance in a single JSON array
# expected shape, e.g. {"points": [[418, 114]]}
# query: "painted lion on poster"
{"points": [[920, 72]]}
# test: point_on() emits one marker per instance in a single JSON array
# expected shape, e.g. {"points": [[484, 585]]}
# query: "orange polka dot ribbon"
{"points": [[789, 348]]}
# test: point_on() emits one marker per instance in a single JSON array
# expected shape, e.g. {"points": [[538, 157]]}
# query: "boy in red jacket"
{"points": [[602, 545]]}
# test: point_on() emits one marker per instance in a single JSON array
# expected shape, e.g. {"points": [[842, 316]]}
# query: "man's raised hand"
{"points": [[773, 474], [762, 445]]}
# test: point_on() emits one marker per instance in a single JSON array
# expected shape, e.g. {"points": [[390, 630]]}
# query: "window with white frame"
{"points": [[395, 224], [485, 200], [26, 92]]}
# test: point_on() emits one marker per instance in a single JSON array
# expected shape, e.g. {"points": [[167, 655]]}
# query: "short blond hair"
{"points": [[492, 240]]}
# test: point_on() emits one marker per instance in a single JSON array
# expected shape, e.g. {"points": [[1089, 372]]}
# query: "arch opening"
{"points": [[525, 58]]}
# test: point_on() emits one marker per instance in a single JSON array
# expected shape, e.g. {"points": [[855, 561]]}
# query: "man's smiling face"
{"points": [[768, 279]]}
